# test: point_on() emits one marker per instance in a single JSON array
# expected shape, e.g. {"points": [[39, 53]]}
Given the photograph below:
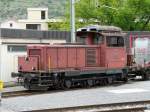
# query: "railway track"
{"points": [[138, 106], [19, 93], [28, 93]]}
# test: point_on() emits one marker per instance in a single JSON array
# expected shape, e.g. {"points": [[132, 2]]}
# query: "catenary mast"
{"points": [[72, 20]]}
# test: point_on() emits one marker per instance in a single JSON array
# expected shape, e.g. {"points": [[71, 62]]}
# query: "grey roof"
{"points": [[99, 28], [33, 34]]}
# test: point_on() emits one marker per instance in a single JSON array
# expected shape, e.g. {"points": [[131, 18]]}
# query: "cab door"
{"points": [[115, 52]]}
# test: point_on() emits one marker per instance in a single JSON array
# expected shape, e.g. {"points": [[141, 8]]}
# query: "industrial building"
{"points": [[13, 43]]}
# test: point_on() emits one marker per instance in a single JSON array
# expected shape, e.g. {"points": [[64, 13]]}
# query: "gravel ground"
{"points": [[132, 91], [5, 110]]}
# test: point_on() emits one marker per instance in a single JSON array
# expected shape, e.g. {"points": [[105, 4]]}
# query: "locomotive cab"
{"points": [[111, 43], [89, 38], [116, 55]]}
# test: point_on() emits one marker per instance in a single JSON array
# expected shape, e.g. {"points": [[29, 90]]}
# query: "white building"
{"points": [[13, 43], [12, 24], [37, 18]]}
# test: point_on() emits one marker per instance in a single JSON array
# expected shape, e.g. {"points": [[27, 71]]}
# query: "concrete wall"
{"points": [[35, 13], [8, 63], [22, 24]]}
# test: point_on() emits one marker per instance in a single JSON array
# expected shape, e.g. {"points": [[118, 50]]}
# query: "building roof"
{"points": [[100, 28], [33, 21], [37, 9]]}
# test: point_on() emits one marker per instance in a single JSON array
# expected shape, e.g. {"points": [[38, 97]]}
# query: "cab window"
{"points": [[81, 39], [98, 39], [113, 41]]}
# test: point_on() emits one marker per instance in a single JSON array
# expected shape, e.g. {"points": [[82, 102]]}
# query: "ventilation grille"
{"points": [[91, 57]]}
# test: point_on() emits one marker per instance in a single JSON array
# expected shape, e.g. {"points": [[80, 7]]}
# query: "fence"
{"points": [[34, 34]]}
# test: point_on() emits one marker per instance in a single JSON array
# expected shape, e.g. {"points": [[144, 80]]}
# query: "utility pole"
{"points": [[72, 20]]}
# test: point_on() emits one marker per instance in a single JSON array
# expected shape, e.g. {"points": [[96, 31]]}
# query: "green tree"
{"points": [[134, 15], [127, 14], [97, 11]]}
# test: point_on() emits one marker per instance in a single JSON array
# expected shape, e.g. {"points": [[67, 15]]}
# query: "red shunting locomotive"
{"points": [[98, 57]]}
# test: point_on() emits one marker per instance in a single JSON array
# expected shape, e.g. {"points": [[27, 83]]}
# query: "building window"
{"points": [[16, 48], [11, 25], [33, 26], [42, 14]]}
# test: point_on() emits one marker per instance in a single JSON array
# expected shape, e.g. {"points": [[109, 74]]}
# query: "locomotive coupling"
{"points": [[14, 74]]}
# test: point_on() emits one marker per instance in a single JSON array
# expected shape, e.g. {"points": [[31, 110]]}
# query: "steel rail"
{"points": [[137, 106], [19, 93]]}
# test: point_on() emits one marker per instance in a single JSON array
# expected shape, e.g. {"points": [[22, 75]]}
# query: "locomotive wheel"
{"points": [[145, 76], [57, 83], [83, 84], [66, 84], [110, 80], [90, 83], [125, 79], [27, 84], [100, 82], [57, 86], [104, 81]]}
